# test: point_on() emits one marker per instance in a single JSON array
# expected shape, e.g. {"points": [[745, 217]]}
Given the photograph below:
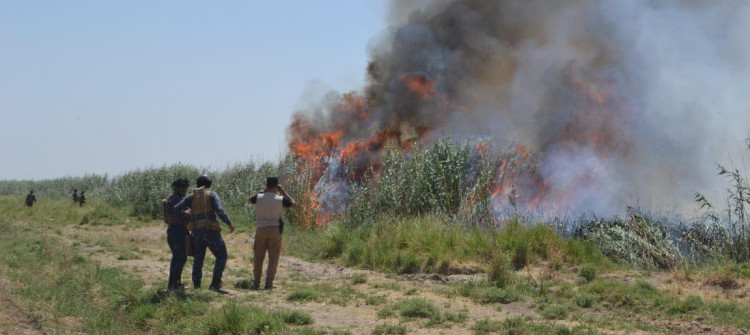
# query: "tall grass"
{"points": [[447, 181], [444, 178], [724, 233], [141, 190], [93, 184], [438, 244]]}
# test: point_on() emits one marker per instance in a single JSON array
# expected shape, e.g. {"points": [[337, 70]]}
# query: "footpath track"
{"points": [[13, 319]]}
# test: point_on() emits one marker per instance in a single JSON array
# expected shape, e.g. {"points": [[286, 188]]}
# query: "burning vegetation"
{"points": [[487, 110], [450, 70]]}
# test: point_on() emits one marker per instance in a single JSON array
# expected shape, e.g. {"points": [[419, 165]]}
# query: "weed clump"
{"points": [[303, 294], [588, 273], [555, 312], [386, 329], [500, 273], [418, 308]]}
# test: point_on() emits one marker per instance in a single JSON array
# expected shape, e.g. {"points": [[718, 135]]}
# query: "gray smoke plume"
{"points": [[626, 102]]}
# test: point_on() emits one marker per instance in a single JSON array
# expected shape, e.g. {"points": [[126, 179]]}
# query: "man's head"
{"points": [[180, 186], [203, 181], [272, 183], [31, 191]]}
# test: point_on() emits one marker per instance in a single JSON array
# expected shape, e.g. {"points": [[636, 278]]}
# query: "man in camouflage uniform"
{"points": [[30, 199], [177, 233], [82, 199], [75, 196], [205, 207]]}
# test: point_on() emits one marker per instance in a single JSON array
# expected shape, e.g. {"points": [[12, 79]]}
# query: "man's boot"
{"points": [[196, 285], [255, 286], [269, 286], [176, 286], [216, 287]]}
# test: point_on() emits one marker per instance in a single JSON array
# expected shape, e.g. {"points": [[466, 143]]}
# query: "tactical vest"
{"points": [[269, 209], [201, 206], [170, 217], [201, 202]]}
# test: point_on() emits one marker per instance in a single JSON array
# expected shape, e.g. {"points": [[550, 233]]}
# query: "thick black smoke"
{"points": [[626, 102]]}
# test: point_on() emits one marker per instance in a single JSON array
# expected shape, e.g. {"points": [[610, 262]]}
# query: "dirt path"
{"points": [[143, 251], [13, 319], [149, 248]]}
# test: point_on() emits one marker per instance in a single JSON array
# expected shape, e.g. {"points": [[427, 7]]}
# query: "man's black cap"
{"points": [[272, 182], [181, 182]]}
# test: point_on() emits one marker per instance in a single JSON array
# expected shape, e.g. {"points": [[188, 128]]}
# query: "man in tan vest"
{"points": [[205, 210], [269, 211]]}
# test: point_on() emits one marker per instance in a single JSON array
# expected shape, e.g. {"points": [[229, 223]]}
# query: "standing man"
{"points": [[75, 196], [177, 233], [205, 206], [82, 199], [269, 212], [30, 198]]}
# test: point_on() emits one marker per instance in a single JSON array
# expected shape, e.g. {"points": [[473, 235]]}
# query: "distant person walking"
{"points": [[75, 196], [177, 233], [82, 199], [205, 206], [269, 212], [30, 199]]}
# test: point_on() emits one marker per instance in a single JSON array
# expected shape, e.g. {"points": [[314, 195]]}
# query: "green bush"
{"points": [[584, 300], [297, 318], [386, 329], [687, 305], [303, 294], [500, 273], [418, 308], [554, 312], [587, 272]]}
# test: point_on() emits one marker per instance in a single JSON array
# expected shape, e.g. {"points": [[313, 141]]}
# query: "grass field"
{"points": [[97, 270], [412, 246]]}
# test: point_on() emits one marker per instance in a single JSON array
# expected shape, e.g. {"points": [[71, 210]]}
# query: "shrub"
{"points": [[375, 300], [554, 312], [418, 308], [584, 300], [497, 295], [689, 304], [486, 326], [500, 273], [386, 329], [297, 318], [303, 294], [359, 278], [588, 273]]}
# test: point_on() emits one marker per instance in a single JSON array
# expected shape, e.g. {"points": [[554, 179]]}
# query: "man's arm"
{"points": [[291, 203], [216, 203], [183, 204]]}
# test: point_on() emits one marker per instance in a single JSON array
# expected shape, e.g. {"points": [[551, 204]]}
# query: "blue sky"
{"points": [[108, 87]]}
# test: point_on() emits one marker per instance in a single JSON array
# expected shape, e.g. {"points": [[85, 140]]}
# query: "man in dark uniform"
{"points": [[75, 196], [269, 211], [205, 206], [82, 199], [177, 233], [30, 198]]}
